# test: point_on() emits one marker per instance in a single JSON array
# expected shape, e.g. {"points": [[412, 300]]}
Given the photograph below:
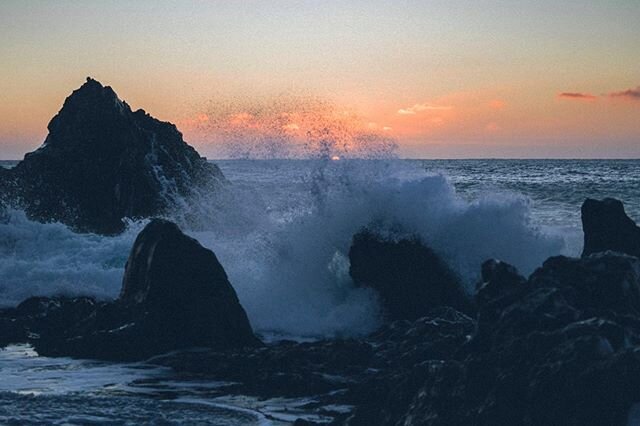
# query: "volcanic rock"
{"points": [[606, 226], [101, 163], [410, 278]]}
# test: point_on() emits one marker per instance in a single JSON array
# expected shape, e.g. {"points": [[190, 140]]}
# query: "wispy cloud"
{"points": [[413, 110], [633, 94], [630, 94], [577, 96]]}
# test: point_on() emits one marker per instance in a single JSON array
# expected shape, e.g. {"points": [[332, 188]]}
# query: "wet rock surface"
{"points": [[102, 162]]}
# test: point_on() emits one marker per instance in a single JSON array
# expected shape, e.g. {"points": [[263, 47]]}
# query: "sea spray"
{"points": [[291, 275], [282, 230]]}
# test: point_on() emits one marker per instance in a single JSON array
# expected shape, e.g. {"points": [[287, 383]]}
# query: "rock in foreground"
{"points": [[175, 295], [410, 278], [183, 290], [556, 349], [102, 163], [606, 226]]}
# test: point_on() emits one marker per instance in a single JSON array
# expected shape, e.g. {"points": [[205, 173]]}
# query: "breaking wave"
{"points": [[282, 230]]}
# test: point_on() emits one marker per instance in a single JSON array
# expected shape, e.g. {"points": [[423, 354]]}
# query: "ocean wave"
{"points": [[284, 241]]}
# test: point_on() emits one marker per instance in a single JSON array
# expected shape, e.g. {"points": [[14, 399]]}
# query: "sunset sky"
{"points": [[442, 78]]}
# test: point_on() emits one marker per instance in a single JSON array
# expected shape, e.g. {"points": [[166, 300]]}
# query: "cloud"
{"points": [[413, 110], [633, 94], [577, 96]]}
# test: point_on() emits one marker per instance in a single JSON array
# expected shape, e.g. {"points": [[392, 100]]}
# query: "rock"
{"points": [[499, 279], [361, 372], [102, 163], [601, 282], [42, 316], [410, 278], [562, 349], [175, 295], [606, 226], [183, 290]]}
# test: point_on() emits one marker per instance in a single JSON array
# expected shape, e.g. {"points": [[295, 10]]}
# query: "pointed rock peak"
{"points": [[94, 90], [88, 105], [92, 81]]}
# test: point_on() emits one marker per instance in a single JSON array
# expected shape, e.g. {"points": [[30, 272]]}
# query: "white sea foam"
{"points": [[282, 231], [48, 259], [292, 276]]}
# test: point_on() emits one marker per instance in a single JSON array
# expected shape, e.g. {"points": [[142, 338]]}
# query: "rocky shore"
{"points": [[559, 347]]}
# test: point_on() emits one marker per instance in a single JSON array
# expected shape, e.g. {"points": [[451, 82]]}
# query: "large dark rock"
{"points": [[410, 278], [102, 162], [606, 226], [183, 290], [559, 348], [175, 295]]}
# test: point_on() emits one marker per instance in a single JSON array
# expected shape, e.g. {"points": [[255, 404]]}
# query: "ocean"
{"points": [[282, 230]]}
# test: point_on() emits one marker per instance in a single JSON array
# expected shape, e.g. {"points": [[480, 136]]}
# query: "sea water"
{"points": [[282, 230]]}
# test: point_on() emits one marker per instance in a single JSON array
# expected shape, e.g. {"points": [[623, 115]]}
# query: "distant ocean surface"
{"points": [[282, 230], [556, 188]]}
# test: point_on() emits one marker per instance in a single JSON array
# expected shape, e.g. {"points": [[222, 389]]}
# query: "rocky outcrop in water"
{"points": [[102, 162], [606, 226], [175, 295], [410, 278]]}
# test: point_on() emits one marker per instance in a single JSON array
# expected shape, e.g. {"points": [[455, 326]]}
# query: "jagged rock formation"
{"points": [[606, 226], [410, 278], [102, 162], [175, 295], [558, 348]]}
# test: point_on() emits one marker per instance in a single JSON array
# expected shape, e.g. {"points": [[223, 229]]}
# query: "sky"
{"points": [[439, 79]]}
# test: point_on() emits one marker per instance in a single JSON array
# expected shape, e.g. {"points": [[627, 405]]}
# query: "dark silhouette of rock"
{"points": [[102, 162], [175, 295], [410, 278], [606, 226], [562, 350], [362, 372], [183, 290]]}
